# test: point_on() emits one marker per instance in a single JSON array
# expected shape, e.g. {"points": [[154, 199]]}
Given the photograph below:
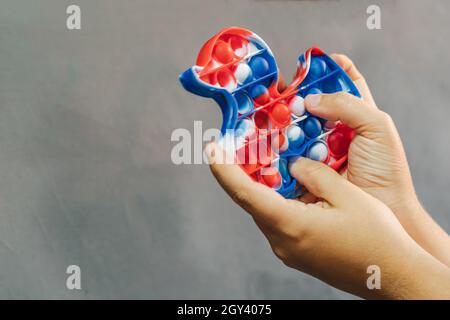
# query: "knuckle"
{"points": [[291, 250], [282, 254], [351, 68], [385, 118], [288, 263], [291, 230], [279, 252], [345, 57], [362, 78], [342, 95], [342, 99], [293, 234], [306, 244], [348, 61]]}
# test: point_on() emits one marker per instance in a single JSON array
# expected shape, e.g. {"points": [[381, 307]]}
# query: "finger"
{"points": [[308, 198], [321, 181], [345, 107], [263, 203], [349, 67]]}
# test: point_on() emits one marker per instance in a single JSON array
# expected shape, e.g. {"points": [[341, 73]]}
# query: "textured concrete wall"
{"points": [[85, 124]]}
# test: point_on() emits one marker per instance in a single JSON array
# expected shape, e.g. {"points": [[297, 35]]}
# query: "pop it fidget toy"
{"points": [[238, 70]]}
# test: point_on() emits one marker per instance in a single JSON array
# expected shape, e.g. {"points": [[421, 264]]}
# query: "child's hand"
{"points": [[377, 161], [339, 237]]}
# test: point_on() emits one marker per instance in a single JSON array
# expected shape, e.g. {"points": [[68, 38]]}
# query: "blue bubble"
{"points": [[317, 68], [295, 136], [258, 90], [245, 104], [312, 127], [259, 66]]}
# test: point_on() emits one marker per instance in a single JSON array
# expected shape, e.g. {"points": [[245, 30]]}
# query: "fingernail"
{"points": [[313, 100]]}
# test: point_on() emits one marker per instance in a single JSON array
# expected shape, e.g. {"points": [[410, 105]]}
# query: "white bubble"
{"points": [[242, 73], [297, 106], [230, 86], [293, 132], [318, 151], [245, 127]]}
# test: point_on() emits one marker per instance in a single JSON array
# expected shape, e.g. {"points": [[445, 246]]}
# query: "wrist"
{"points": [[408, 209]]}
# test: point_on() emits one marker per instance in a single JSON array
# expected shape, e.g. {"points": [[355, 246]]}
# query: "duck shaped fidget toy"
{"points": [[239, 71]]}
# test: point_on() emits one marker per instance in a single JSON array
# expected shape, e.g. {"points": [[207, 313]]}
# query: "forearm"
{"points": [[424, 230], [422, 277]]}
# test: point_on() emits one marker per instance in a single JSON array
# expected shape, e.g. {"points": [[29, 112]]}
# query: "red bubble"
{"points": [[247, 157], [281, 113], [278, 142], [265, 153], [262, 120], [224, 77], [223, 52], [262, 99], [271, 177], [338, 143]]}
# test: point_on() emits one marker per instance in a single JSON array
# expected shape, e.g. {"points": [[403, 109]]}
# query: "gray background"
{"points": [[85, 124]]}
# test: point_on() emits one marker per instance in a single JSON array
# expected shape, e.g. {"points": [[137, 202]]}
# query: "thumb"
{"points": [[322, 181], [351, 110]]}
